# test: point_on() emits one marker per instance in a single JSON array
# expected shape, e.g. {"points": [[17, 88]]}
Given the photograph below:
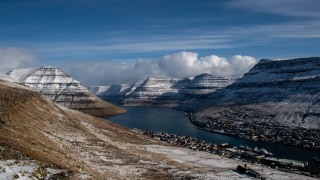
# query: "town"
{"points": [[263, 131], [244, 153]]}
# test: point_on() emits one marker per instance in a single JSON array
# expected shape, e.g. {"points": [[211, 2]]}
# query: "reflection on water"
{"points": [[173, 121]]}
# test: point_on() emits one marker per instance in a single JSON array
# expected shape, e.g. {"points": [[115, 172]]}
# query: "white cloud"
{"points": [[178, 65], [185, 64], [241, 64], [107, 73], [11, 58]]}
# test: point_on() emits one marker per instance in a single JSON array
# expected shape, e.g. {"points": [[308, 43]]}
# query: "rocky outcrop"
{"points": [[162, 92], [284, 92], [61, 88]]}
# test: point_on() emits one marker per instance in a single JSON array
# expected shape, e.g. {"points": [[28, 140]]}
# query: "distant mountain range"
{"points": [[42, 140], [277, 91], [61, 88], [161, 92]]}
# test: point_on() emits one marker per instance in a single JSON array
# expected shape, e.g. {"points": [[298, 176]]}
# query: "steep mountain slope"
{"points": [[115, 93], [92, 148], [155, 92], [61, 88], [162, 92], [5, 77], [284, 92], [204, 84], [98, 90]]}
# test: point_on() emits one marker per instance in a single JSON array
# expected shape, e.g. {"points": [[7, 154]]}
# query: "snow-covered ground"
{"points": [[217, 167], [27, 169]]}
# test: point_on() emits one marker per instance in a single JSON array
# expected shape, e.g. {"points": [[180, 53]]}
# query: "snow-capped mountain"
{"points": [[61, 88], [162, 92], [206, 83], [5, 77], [98, 90], [114, 93], [155, 92], [285, 92]]}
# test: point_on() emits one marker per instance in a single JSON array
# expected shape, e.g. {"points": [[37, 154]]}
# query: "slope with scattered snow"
{"points": [[92, 148], [285, 92]]}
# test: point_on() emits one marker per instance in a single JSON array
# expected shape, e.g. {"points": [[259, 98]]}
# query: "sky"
{"points": [[102, 42]]}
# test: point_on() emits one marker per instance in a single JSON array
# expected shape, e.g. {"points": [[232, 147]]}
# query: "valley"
{"points": [[159, 90], [91, 148]]}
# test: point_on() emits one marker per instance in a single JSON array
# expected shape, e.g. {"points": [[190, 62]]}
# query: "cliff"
{"points": [[285, 92]]}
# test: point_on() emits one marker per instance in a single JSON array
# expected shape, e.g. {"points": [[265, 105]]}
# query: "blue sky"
{"points": [[123, 31]]}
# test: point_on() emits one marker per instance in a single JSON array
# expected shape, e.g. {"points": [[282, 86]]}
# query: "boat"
{"points": [[265, 152], [262, 151]]}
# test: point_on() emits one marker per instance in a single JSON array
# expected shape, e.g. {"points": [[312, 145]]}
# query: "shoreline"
{"points": [[223, 150], [226, 131]]}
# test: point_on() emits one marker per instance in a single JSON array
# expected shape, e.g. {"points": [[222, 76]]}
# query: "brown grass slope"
{"points": [[90, 147]]}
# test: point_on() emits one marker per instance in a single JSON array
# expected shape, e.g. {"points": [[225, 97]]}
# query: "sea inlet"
{"points": [[175, 122]]}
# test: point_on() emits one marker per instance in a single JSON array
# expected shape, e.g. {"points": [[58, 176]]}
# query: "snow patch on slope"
{"points": [[26, 169]]}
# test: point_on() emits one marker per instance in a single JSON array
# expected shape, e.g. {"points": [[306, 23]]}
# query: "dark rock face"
{"points": [[285, 92], [61, 88]]}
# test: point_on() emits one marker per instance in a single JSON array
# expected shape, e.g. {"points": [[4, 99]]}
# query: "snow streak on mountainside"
{"points": [[5, 77], [204, 84], [114, 93], [285, 92], [59, 87], [162, 92], [155, 92]]}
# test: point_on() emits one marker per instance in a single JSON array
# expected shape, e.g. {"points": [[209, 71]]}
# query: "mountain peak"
{"points": [[49, 67], [56, 85]]}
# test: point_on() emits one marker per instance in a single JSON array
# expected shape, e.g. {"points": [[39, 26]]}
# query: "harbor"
{"points": [[175, 122], [244, 153], [262, 131]]}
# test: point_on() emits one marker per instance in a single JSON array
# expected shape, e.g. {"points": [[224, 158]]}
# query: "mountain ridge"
{"points": [[279, 91], [164, 92], [61, 88]]}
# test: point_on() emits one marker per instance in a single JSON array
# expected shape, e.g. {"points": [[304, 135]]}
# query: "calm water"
{"points": [[173, 121]]}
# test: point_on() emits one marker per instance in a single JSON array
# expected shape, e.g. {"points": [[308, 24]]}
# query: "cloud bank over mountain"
{"points": [[11, 58], [91, 72], [179, 65], [185, 64]]}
